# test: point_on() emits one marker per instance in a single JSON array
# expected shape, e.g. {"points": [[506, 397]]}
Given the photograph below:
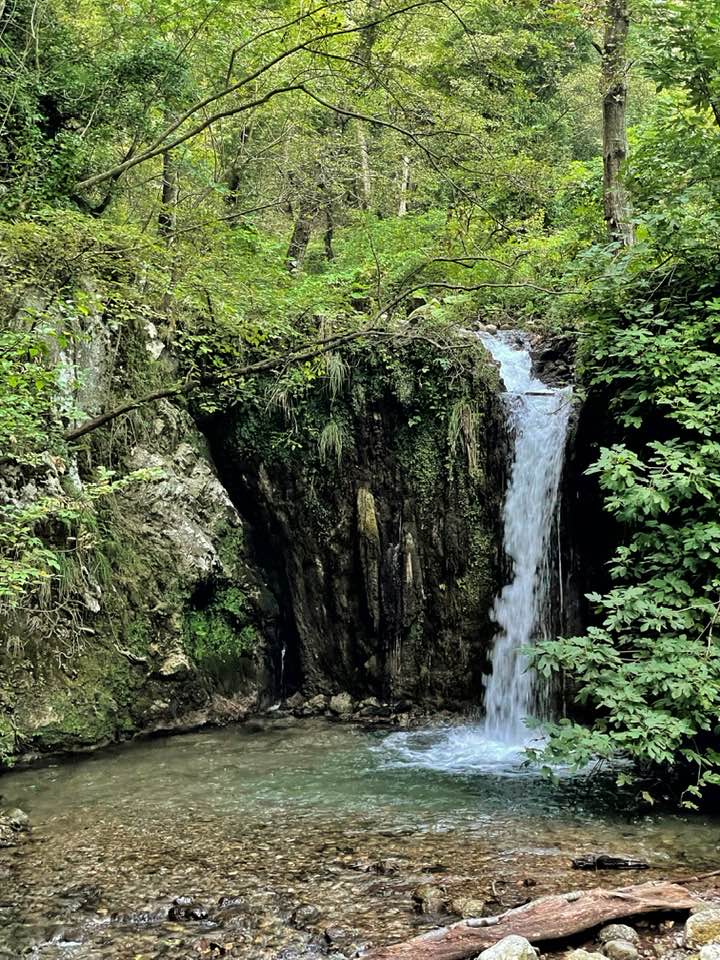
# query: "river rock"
{"points": [[620, 950], [428, 898], [702, 928], [584, 955], [295, 702], [341, 704], [711, 951], [371, 707], [467, 907], [13, 824], [510, 948], [304, 914], [315, 705], [618, 931], [185, 908]]}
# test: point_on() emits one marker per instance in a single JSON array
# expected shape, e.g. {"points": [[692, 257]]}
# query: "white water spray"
{"points": [[539, 417]]}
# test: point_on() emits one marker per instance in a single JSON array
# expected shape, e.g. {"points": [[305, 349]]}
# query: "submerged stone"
{"points": [[429, 899], [467, 907]]}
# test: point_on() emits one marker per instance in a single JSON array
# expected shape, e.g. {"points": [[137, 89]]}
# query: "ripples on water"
{"points": [[298, 813]]}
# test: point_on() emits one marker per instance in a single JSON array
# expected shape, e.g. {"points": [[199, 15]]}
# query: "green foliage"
{"points": [[650, 666], [219, 634]]}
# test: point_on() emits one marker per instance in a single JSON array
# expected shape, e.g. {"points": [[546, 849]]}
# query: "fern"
{"points": [[463, 430], [332, 442]]}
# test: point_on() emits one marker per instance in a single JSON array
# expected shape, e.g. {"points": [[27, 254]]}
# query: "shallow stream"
{"points": [[304, 826]]}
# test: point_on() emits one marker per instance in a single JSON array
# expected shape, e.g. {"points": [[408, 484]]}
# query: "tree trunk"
{"points": [[545, 919], [297, 248], [170, 192], [615, 145], [404, 187], [328, 235], [234, 175], [363, 54], [365, 173]]}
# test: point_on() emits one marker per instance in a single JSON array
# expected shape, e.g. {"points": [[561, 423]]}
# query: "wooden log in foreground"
{"points": [[548, 918]]}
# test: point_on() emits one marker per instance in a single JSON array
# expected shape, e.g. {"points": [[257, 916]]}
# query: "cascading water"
{"points": [[539, 419], [538, 416]]}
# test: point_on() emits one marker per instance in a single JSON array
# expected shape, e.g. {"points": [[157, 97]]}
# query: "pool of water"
{"points": [[305, 826]]}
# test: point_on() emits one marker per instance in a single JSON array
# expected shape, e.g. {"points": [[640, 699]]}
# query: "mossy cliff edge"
{"points": [[335, 531]]}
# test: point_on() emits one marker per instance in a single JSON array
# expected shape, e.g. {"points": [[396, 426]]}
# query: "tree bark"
{"points": [[167, 217], [615, 145], [548, 918], [404, 187], [365, 172], [328, 235], [302, 231]]}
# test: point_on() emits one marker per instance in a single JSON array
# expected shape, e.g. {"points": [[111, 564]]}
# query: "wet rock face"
{"points": [[554, 360], [385, 561]]}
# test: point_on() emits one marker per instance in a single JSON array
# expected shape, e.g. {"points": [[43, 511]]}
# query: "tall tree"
{"points": [[618, 215]]}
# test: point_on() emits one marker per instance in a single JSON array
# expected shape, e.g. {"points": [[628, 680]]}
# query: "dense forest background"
{"points": [[274, 185]]}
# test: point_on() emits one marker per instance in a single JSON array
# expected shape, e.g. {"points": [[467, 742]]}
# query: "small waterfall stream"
{"points": [[538, 416]]}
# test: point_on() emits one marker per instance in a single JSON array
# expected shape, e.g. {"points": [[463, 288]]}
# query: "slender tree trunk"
{"points": [[365, 173], [404, 187], [302, 231], [234, 174], [328, 235], [363, 54], [170, 191], [618, 214]]}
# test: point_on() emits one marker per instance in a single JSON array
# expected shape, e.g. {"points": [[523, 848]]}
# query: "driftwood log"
{"points": [[604, 861], [548, 918]]}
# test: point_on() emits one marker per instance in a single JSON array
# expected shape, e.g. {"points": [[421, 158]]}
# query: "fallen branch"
{"points": [[548, 918]]}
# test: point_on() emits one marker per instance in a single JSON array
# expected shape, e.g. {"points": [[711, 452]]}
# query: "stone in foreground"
{"points": [[620, 950], [618, 931], [510, 948], [702, 928]]}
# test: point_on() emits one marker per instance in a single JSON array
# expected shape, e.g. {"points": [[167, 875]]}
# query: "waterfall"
{"points": [[538, 416]]}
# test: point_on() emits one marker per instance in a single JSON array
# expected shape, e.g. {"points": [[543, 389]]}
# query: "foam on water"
{"points": [[461, 749]]}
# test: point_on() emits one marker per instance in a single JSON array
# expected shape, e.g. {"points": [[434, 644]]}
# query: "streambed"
{"points": [[302, 826]]}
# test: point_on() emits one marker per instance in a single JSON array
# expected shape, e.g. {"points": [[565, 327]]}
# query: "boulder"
{"points": [[304, 914], [702, 928], [429, 899], [584, 955], [13, 824], [711, 951], [467, 907], [510, 948], [341, 704], [620, 950], [295, 702], [315, 705], [618, 931]]}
